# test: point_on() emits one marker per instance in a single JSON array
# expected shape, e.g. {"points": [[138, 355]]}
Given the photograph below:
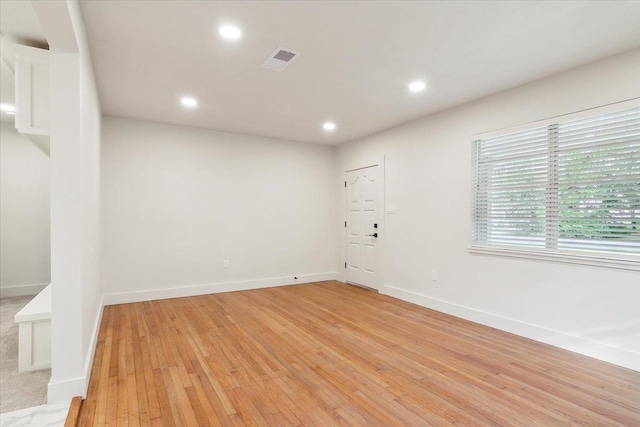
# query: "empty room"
{"points": [[318, 213]]}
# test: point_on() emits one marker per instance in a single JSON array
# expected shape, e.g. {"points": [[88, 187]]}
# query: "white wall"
{"points": [[66, 230], [91, 146], [592, 310], [177, 201], [25, 264], [75, 200]]}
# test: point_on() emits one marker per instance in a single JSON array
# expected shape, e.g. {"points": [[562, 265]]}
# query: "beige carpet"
{"points": [[17, 390]]}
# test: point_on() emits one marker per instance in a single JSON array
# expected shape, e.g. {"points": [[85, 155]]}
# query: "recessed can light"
{"points": [[7, 108], [189, 102], [329, 126], [417, 86], [230, 32]]}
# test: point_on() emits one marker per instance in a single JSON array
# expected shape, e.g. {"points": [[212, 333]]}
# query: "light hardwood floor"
{"points": [[328, 354]]}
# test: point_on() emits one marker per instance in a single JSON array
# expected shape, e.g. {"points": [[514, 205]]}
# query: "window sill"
{"points": [[629, 262]]}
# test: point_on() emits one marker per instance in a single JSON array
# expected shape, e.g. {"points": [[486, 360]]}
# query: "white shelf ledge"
{"points": [[622, 262], [39, 308]]}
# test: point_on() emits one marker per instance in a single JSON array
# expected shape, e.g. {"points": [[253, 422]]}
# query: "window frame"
{"points": [[585, 257]]}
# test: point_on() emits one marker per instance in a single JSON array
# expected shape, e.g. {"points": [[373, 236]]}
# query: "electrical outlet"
{"points": [[225, 263], [434, 275]]}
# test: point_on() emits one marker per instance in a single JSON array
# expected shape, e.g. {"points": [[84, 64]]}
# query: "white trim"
{"points": [[29, 349], [595, 349], [91, 351], [26, 58], [22, 290], [593, 259], [39, 308], [582, 114], [64, 390], [366, 162], [213, 288]]}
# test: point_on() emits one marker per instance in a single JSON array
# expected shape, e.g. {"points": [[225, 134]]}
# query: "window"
{"points": [[566, 189]]}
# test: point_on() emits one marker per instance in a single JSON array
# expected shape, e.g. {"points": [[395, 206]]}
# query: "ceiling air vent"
{"points": [[280, 59]]}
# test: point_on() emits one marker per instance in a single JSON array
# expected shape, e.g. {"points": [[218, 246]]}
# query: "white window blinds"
{"points": [[567, 186]]}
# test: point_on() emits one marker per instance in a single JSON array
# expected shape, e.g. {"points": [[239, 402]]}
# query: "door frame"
{"points": [[382, 229]]}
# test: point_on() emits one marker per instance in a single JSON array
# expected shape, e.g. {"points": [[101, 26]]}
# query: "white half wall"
{"points": [[591, 310], [25, 244], [179, 201]]}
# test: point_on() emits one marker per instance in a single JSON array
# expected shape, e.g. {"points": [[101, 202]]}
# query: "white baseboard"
{"points": [[21, 290], [340, 277], [598, 350], [63, 391], [214, 288], [60, 391], [88, 363]]}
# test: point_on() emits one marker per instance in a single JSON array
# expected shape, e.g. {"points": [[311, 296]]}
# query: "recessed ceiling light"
{"points": [[329, 126], [417, 86], [7, 108], [189, 102], [230, 32]]}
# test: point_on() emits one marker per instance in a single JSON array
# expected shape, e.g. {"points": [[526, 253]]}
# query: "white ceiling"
{"points": [[356, 60], [19, 25]]}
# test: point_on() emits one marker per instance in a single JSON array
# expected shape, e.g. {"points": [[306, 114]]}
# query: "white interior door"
{"points": [[362, 227]]}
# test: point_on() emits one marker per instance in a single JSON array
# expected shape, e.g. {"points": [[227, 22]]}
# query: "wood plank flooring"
{"points": [[327, 354]]}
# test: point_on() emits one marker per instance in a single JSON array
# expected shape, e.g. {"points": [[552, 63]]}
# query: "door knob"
{"points": [[373, 235]]}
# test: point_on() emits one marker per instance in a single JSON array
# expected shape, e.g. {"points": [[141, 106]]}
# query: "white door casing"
{"points": [[362, 188]]}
